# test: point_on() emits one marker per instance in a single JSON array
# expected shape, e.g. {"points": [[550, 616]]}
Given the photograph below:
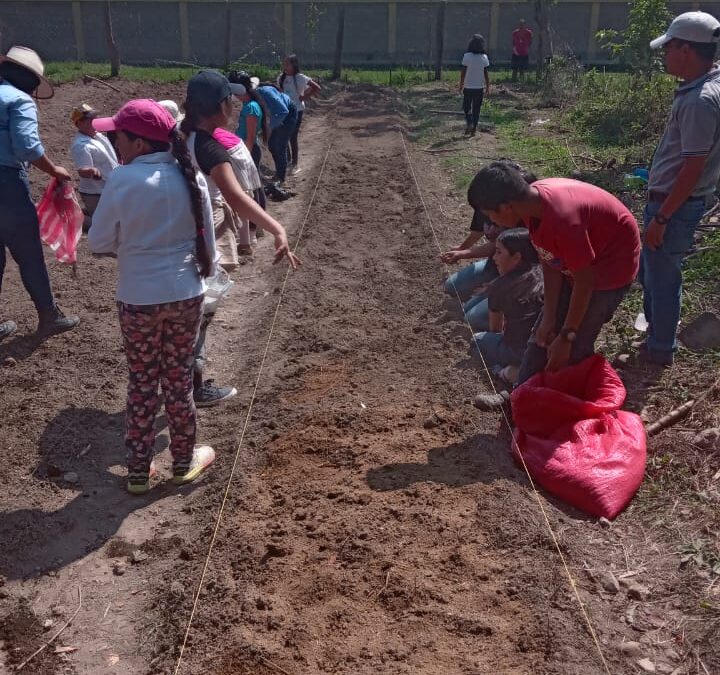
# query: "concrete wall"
{"points": [[399, 32]]}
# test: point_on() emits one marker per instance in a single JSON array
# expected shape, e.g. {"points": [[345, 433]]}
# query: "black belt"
{"points": [[662, 196]]}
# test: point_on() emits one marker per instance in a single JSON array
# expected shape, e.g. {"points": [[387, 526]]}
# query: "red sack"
{"points": [[575, 441], [61, 220]]}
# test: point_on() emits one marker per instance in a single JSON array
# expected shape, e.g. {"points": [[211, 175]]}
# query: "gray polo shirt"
{"points": [[693, 130]]}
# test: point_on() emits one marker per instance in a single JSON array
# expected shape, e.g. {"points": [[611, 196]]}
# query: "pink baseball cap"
{"points": [[142, 117]]}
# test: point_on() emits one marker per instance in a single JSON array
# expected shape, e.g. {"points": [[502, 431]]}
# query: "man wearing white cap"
{"points": [[683, 175], [21, 78]]}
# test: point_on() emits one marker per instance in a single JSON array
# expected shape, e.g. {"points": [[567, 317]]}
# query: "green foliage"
{"points": [[647, 19], [622, 110]]}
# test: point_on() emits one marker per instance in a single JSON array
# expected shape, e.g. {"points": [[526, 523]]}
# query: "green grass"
{"points": [[70, 71]]}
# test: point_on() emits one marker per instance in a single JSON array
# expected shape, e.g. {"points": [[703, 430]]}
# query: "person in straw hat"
{"points": [[94, 158], [21, 78]]}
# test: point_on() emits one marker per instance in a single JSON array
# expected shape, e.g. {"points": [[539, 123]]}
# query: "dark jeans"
{"points": [[259, 194], [278, 143], [472, 102], [600, 310], [294, 152], [20, 234]]}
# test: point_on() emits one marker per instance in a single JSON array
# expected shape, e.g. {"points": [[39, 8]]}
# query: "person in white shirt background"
{"points": [[474, 81], [299, 88], [94, 158]]}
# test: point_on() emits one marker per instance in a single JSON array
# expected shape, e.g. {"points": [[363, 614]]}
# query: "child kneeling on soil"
{"points": [[468, 282], [589, 245], [515, 299], [155, 215]]}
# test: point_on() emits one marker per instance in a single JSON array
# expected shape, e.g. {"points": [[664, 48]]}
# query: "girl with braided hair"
{"points": [[155, 216]]}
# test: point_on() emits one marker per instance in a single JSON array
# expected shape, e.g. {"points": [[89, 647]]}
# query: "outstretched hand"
{"points": [[282, 249]]}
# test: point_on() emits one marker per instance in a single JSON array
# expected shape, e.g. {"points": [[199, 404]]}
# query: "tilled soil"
{"points": [[374, 521]]}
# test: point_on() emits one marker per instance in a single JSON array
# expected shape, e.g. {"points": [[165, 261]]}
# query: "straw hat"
{"points": [[29, 59]]}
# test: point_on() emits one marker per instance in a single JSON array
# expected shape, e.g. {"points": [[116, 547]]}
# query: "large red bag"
{"points": [[575, 441], [61, 220]]}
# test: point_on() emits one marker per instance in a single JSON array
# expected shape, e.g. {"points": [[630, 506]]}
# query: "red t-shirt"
{"points": [[583, 226], [521, 39]]}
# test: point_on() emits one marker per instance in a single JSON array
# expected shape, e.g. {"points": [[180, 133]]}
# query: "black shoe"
{"points": [[7, 328], [53, 321], [492, 401], [208, 394], [654, 357]]}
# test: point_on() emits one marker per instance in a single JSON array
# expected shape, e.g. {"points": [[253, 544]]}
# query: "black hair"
{"points": [[19, 77], [517, 240], [705, 50], [476, 44], [295, 63], [499, 183], [241, 77], [194, 110], [176, 143]]}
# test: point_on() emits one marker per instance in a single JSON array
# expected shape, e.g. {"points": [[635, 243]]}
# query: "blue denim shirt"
{"points": [[19, 136], [278, 105]]}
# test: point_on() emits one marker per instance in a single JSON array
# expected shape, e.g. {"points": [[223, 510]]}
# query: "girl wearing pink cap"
{"points": [[155, 216]]}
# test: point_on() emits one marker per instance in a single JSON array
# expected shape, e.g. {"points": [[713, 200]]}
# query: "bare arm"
{"points": [[496, 322], [487, 81], [246, 207], [313, 88], [462, 77], [44, 164], [682, 188], [251, 127]]}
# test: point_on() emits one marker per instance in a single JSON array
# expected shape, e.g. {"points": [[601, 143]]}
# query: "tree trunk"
{"points": [[112, 47], [439, 39], [228, 35], [544, 41], [339, 37]]}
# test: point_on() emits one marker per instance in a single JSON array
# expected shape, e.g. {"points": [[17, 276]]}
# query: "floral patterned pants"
{"points": [[159, 345]]}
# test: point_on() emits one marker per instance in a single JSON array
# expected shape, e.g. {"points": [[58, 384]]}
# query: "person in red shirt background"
{"points": [[521, 40], [589, 245]]}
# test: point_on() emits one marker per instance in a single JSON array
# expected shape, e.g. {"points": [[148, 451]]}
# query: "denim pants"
{"points": [[464, 282], [20, 234], [294, 150], [600, 310], [495, 351], [472, 102], [661, 273], [278, 143]]}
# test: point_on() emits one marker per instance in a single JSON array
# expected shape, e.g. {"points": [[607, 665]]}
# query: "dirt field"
{"points": [[375, 522]]}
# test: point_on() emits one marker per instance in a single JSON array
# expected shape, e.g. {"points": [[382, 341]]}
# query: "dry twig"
{"points": [[107, 84], [54, 637], [274, 666]]}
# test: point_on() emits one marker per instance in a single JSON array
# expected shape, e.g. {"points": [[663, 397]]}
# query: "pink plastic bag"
{"points": [[61, 220], [575, 441]]}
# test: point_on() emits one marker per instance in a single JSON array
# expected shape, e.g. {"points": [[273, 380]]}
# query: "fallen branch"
{"points": [[674, 416], [572, 158], [274, 666], [54, 637], [107, 84]]}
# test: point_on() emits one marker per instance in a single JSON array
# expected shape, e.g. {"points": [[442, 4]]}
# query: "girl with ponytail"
{"points": [[155, 216]]}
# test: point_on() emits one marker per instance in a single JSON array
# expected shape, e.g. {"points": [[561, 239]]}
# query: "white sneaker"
{"points": [[295, 170]]}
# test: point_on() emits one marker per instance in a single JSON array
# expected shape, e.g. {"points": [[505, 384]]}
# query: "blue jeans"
{"points": [[661, 273], [278, 143], [20, 234], [495, 351], [464, 282], [600, 310]]}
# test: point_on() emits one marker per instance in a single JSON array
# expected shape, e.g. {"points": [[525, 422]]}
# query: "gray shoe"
{"points": [[7, 328], [492, 401], [53, 321]]}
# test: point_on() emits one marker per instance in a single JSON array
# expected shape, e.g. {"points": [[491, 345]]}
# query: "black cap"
{"points": [[208, 87]]}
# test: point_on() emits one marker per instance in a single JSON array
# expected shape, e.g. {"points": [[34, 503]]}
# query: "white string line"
{"points": [[247, 421], [509, 426]]}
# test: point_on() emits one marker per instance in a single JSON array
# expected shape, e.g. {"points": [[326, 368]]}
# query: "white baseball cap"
{"points": [[690, 26]]}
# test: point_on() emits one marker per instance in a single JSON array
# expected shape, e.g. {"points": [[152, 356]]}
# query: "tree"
{"points": [[544, 38], [647, 19], [112, 47]]}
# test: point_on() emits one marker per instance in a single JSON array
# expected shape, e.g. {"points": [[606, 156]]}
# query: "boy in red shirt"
{"points": [[589, 246], [521, 40]]}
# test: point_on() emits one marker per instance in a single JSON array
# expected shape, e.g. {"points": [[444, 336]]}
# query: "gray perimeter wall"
{"points": [[204, 32]]}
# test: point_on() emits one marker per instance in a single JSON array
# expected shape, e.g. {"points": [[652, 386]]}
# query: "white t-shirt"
{"points": [[475, 75], [294, 86], [93, 152]]}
